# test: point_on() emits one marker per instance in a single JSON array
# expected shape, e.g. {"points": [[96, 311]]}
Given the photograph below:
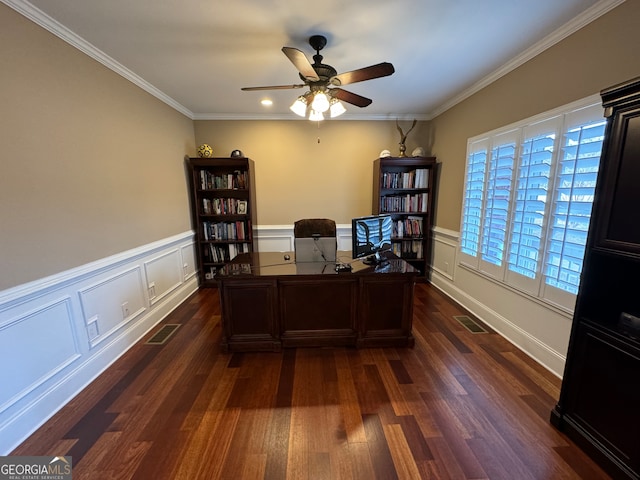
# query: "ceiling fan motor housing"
{"points": [[319, 76], [324, 72]]}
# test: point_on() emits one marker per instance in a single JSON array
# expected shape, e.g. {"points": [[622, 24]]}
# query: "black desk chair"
{"points": [[309, 227]]}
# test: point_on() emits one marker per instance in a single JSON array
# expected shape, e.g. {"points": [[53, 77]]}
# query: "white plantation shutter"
{"points": [[527, 201], [496, 206], [530, 209], [473, 201], [572, 200]]}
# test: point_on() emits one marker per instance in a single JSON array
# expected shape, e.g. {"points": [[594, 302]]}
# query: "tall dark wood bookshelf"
{"points": [[223, 210], [404, 187]]}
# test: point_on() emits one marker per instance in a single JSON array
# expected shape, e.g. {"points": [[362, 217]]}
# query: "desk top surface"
{"points": [[268, 264]]}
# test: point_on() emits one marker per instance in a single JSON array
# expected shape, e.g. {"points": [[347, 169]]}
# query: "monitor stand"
{"points": [[375, 259]]}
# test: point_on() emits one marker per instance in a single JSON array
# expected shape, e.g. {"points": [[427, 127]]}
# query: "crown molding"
{"points": [[294, 118], [45, 21], [40, 18], [580, 21]]}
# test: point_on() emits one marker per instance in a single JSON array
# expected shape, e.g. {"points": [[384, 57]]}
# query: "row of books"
{"points": [[240, 230], [404, 203], [230, 181], [408, 227], [418, 178], [411, 249], [224, 253], [224, 206]]}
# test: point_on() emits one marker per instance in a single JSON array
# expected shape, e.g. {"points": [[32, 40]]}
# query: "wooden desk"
{"points": [[269, 303]]}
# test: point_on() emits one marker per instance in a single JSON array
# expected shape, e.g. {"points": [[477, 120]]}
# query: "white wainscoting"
{"points": [[59, 333], [279, 238], [538, 329]]}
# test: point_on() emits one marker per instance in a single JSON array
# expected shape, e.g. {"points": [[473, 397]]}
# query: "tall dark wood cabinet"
{"points": [[223, 210], [599, 405], [404, 187]]}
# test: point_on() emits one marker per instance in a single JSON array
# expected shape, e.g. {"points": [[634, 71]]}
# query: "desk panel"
{"points": [[318, 311], [269, 303], [249, 316], [386, 311]]}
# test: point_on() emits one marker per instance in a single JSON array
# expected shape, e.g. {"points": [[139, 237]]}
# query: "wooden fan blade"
{"points": [[367, 73], [301, 62], [349, 97], [272, 87]]}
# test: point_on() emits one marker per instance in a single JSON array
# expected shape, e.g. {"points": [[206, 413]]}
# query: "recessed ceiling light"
{"points": [[266, 102]]}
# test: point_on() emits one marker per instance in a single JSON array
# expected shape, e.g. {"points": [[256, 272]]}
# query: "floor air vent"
{"points": [[162, 335], [468, 323]]}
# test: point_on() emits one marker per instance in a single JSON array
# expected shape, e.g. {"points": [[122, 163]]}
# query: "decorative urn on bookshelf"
{"points": [[205, 151]]}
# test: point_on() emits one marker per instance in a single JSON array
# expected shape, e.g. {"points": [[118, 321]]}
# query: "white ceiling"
{"points": [[196, 54]]}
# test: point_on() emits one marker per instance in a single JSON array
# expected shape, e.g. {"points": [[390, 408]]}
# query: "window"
{"points": [[527, 201]]}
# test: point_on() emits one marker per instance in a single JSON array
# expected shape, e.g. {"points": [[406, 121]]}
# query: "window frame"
{"points": [[557, 122]]}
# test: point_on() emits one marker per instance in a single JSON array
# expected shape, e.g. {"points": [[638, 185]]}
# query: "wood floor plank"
{"points": [[456, 436], [348, 397], [456, 406], [380, 452], [391, 385], [254, 467], [361, 461], [403, 459], [277, 445]]}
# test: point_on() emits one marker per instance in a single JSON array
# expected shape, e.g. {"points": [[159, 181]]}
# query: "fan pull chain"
{"points": [[318, 129]]}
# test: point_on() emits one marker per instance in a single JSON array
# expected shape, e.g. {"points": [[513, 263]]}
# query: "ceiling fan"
{"points": [[324, 82]]}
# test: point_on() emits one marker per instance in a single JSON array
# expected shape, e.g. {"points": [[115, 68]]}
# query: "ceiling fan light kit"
{"points": [[299, 107], [318, 77]]}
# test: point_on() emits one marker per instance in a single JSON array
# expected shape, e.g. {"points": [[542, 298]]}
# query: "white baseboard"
{"points": [[443, 277], [59, 333]]}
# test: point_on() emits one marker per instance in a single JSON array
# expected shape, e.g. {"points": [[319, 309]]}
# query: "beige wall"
{"points": [[603, 53], [297, 177], [90, 164]]}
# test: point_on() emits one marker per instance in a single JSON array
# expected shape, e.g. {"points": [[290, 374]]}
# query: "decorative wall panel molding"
{"points": [[48, 345], [58, 333], [164, 274], [445, 245], [187, 255], [113, 302]]}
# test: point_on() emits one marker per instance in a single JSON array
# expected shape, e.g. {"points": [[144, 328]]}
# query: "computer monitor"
{"points": [[371, 235]]}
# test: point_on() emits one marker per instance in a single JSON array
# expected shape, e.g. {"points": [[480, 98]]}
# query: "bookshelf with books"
{"points": [[404, 187], [223, 211]]}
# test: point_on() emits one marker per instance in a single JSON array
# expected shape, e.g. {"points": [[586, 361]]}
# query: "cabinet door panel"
{"points": [[607, 405], [618, 213]]}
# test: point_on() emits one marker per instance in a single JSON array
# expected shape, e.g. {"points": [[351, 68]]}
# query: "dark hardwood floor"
{"points": [[457, 406]]}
